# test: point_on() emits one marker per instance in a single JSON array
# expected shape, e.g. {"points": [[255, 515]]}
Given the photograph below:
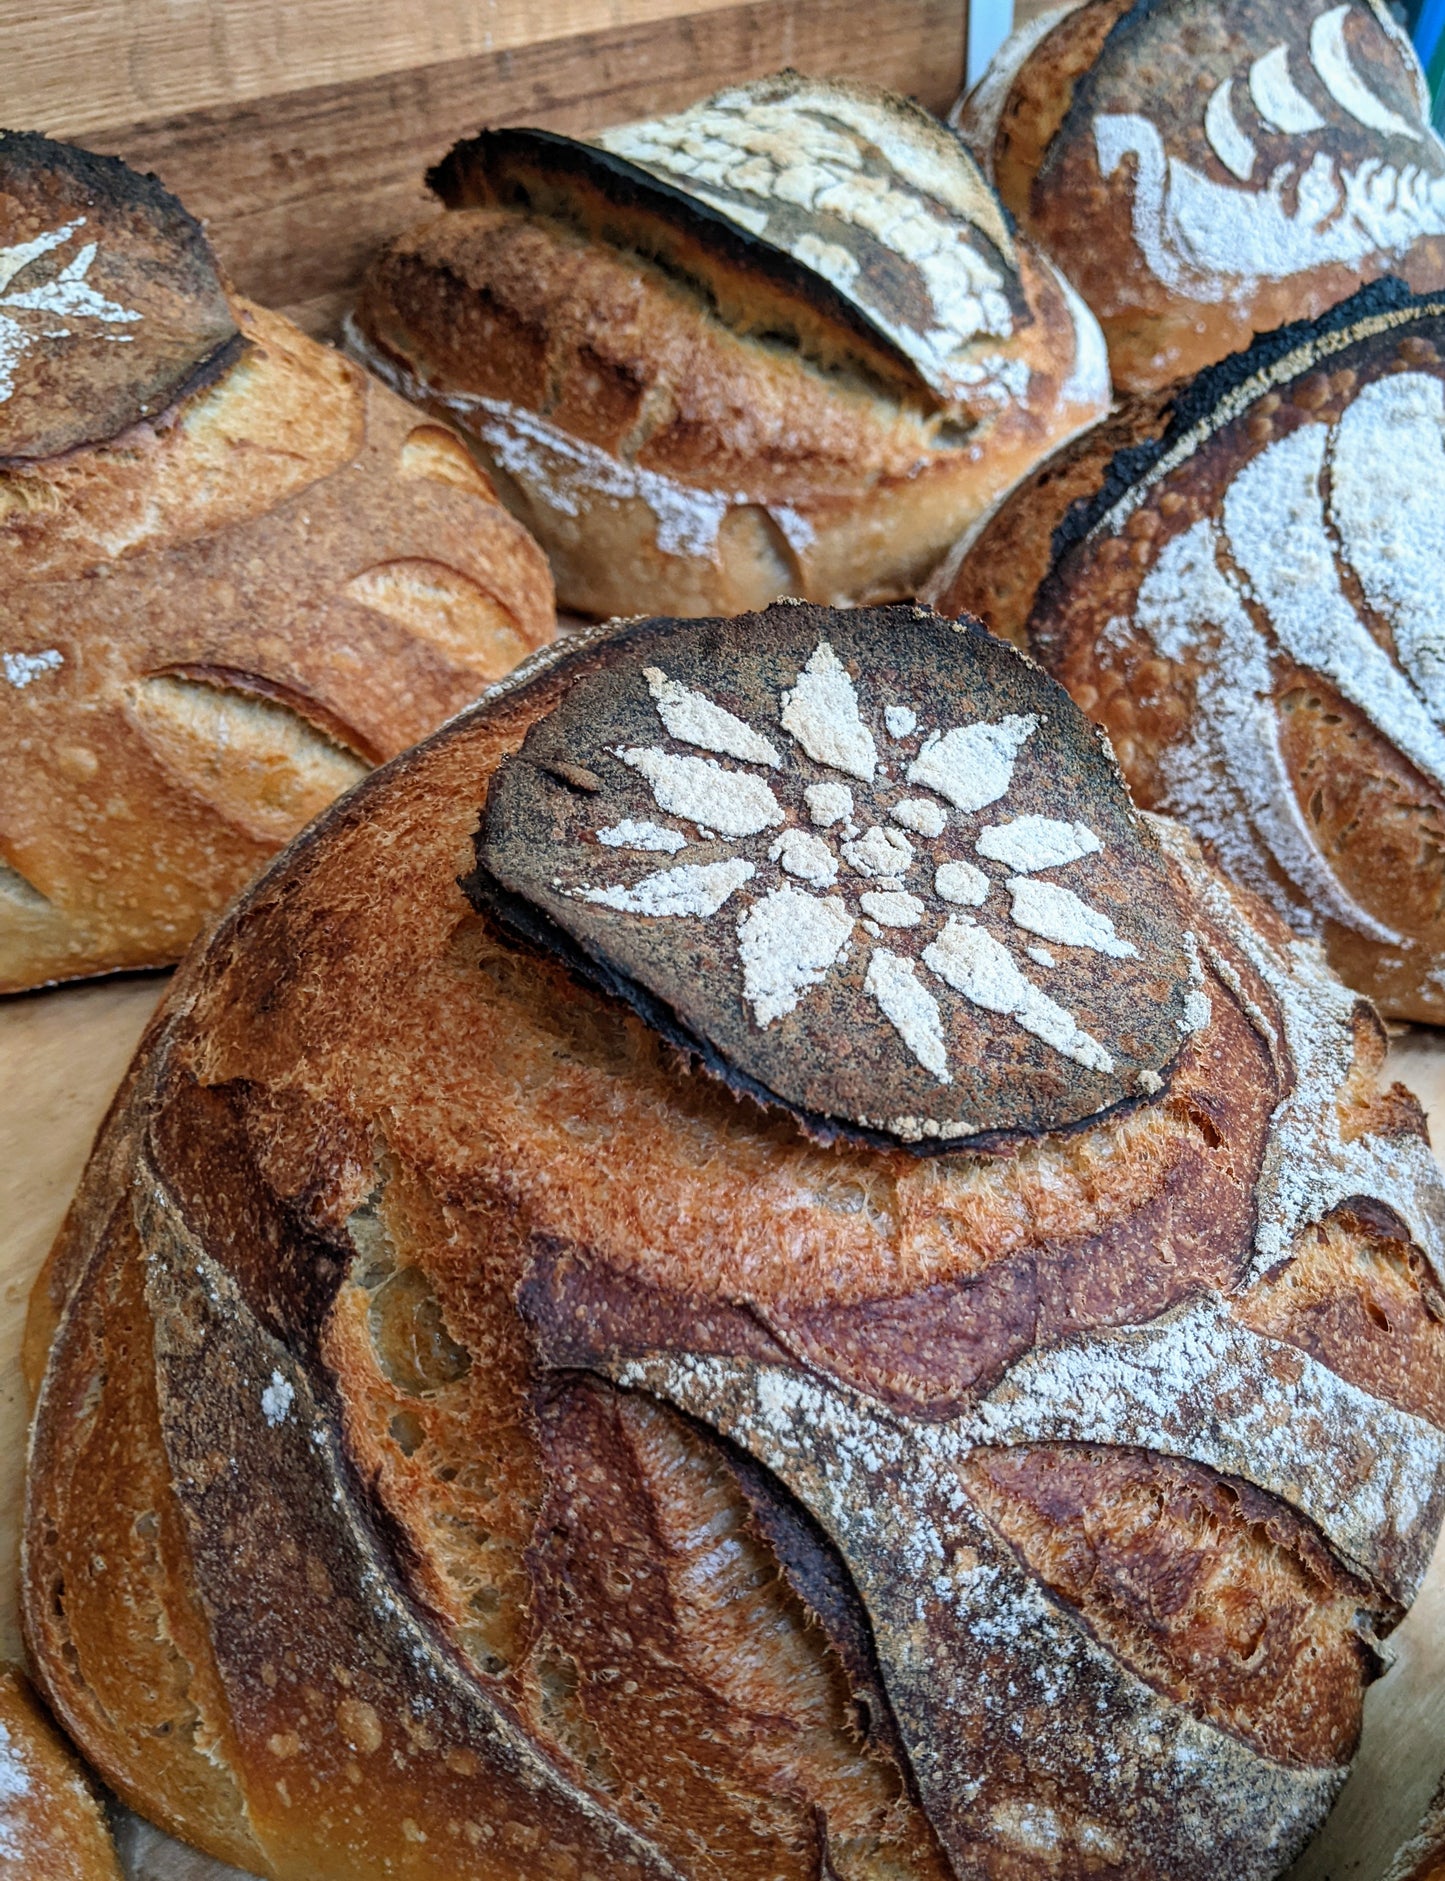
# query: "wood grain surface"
{"points": [[299, 187], [62, 1054], [98, 63]]}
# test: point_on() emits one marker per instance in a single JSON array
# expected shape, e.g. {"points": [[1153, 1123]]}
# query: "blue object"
{"points": [[1426, 20]]}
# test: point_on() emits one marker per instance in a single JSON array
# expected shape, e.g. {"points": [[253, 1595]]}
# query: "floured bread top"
{"points": [[111, 307], [1291, 519], [1257, 140], [868, 865], [854, 198]]}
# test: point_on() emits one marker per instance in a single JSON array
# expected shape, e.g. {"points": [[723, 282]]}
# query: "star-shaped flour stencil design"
{"points": [[859, 861], [49, 309]]}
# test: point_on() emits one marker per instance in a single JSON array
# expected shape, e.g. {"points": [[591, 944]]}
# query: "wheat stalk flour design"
{"points": [[50, 309]]}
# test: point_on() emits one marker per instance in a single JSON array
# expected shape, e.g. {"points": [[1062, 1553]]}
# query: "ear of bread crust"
{"points": [[112, 309], [1326, 793], [705, 391]]}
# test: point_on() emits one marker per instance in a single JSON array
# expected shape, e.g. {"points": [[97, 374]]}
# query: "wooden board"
{"points": [[300, 182], [61, 1055]]}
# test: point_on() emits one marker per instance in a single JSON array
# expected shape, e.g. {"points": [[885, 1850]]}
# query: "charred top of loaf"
{"points": [[869, 866], [1392, 325], [795, 203], [111, 305]]}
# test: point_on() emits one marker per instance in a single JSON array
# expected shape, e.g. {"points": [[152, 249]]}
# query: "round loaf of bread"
{"points": [[1205, 172], [734, 1268], [235, 572], [51, 1824], [1243, 585], [785, 342]]}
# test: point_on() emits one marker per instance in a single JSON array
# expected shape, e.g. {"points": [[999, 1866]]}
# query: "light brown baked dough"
{"points": [[215, 620], [802, 370], [51, 1824], [1206, 172], [473, 1442], [1242, 584]]}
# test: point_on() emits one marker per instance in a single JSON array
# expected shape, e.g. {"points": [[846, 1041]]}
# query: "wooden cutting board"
{"points": [[61, 1056]]}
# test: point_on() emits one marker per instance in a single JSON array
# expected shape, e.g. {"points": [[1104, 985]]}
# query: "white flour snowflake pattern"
{"points": [[862, 859], [48, 309]]}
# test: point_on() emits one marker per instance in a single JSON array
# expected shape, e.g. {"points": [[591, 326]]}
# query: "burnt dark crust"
{"points": [[548, 784], [530, 169], [79, 386], [1200, 405]]}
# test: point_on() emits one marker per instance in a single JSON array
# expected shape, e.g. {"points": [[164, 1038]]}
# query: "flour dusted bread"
{"points": [[733, 1268], [1246, 594], [51, 1824], [785, 342], [1204, 172], [234, 573]]}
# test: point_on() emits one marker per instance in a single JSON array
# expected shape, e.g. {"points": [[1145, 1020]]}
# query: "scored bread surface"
{"points": [[218, 617], [682, 369], [473, 1443], [1243, 587], [1204, 173]]}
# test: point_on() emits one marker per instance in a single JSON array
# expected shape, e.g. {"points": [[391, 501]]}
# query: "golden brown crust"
{"points": [[216, 623], [995, 574], [670, 451], [1134, 143], [407, 1203], [52, 1827], [1334, 803]]}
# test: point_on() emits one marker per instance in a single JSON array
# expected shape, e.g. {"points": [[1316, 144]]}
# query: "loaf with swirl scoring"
{"points": [[735, 1268], [1242, 584], [783, 342], [235, 572], [1206, 170]]}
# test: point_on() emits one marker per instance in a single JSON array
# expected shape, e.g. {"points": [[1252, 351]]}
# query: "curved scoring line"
{"points": [[1330, 56], [1237, 398], [962, 1628]]}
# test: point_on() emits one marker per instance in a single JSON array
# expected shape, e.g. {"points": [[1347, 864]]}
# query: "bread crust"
{"points": [[462, 1298], [679, 443], [214, 623], [53, 1825], [1065, 569], [1134, 143]]}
